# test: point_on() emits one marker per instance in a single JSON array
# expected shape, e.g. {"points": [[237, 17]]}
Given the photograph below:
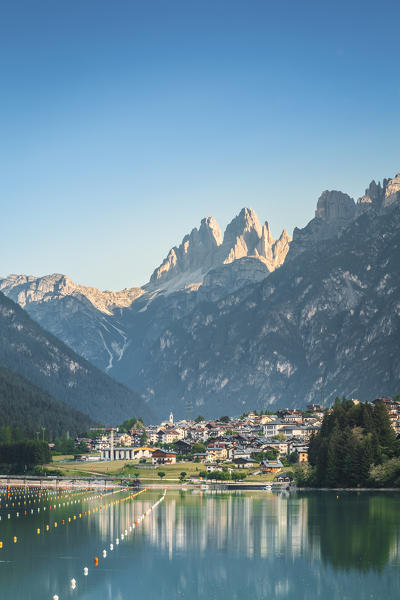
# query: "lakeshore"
{"points": [[291, 546]]}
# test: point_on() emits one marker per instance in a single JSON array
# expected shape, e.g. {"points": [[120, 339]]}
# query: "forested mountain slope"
{"points": [[28, 408], [48, 363]]}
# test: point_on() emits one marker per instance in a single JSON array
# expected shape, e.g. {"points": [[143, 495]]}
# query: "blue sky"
{"points": [[122, 124]]}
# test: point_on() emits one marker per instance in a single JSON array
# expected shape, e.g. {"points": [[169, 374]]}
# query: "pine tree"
{"points": [[331, 474], [365, 459], [384, 431], [313, 449]]}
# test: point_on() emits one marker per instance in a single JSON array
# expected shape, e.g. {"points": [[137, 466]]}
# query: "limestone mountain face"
{"points": [[273, 251], [193, 257], [392, 192], [335, 208], [380, 197], [83, 317], [245, 236], [26, 289], [326, 323], [241, 236], [102, 325], [232, 276], [243, 320], [373, 198], [334, 212], [205, 249]]}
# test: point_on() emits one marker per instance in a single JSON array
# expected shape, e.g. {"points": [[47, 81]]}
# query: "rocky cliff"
{"points": [[326, 324], [244, 320], [103, 326], [334, 212], [205, 249], [392, 191], [83, 317]]}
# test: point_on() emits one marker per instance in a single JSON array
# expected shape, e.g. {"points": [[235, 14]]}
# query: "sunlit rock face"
{"points": [[244, 320], [196, 254], [205, 248], [102, 325], [380, 196], [334, 212], [335, 207], [241, 236], [326, 323], [392, 192], [26, 289], [83, 317], [372, 199]]}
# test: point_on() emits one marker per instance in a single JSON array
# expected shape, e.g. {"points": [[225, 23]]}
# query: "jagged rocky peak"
{"points": [[380, 196], [335, 210], [244, 236], [27, 289], [373, 197], [241, 236], [273, 251], [210, 232], [280, 248], [205, 248], [392, 191], [266, 242], [335, 207], [195, 252]]}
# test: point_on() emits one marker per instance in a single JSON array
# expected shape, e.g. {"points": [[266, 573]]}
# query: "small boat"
{"points": [[268, 487]]}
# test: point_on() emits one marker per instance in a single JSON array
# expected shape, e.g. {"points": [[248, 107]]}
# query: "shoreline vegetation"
{"points": [[356, 448]]}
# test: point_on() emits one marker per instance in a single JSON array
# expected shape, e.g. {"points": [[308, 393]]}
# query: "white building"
{"points": [[127, 453]]}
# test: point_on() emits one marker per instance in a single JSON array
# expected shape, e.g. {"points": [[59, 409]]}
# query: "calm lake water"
{"points": [[243, 545]]}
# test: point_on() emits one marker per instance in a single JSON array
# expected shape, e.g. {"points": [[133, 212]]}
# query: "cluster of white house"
{"points": [[236, 441]]}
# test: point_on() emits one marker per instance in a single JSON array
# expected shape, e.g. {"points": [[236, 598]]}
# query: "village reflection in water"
{"points": [[319, 525], [216, 545]]}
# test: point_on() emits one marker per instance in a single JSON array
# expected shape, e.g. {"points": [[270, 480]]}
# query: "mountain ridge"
{"points": [[45, 361], [209, 271]]}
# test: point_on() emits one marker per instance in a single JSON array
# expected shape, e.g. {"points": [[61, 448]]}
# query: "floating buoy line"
{"points": [[11, 499], [67, 520], [129, 529], [15, 510], [41, 500], [15, 504]]}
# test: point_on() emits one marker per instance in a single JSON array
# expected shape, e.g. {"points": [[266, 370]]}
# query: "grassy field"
{"points": [[57, 458], [126, 468]]}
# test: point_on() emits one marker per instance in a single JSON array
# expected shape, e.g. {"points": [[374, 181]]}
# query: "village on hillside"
{"points": [[262, 443]]}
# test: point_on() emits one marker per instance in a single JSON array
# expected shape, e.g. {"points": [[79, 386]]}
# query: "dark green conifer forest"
{"points": [[27, 411], [356, 447]]}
